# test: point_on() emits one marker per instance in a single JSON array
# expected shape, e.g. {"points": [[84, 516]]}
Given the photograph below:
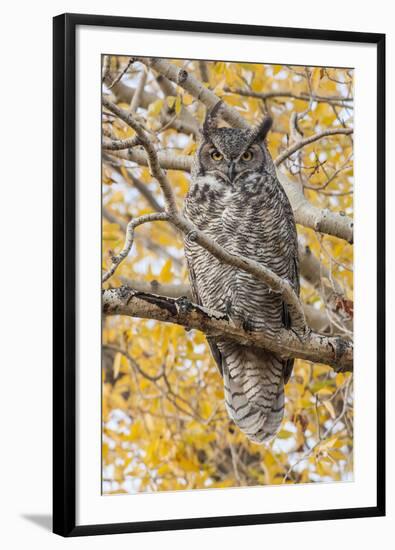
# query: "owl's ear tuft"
{"points": [[261, 130], [212, 117]]}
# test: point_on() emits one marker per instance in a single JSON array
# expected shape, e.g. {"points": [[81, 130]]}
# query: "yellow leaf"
{"points": [[337, 455], [329, 407], [315, 78], [164, 469], [108, 236], [187, 99], [189, 148], [206, 409], [284, 434], [155, 107], [324, 393], [188, 465], [136, 431], [166, 274], [178, 105], [117, 364]]}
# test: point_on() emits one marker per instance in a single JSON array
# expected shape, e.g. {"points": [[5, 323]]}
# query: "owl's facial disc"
{"points": [[231, 156]]}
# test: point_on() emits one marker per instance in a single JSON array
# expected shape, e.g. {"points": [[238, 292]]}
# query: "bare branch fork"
{"points": [[333, 351], [116, 260]]}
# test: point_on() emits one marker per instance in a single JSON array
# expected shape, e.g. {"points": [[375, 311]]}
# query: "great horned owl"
{"points": [[237, 200]]}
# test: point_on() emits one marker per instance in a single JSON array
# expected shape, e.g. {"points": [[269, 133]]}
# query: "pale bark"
{"points": [[333, 351], [316, 319], [321, 220]]}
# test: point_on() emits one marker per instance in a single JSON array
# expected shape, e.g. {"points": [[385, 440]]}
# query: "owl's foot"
{"points": [[183, 304], [301, 335]]}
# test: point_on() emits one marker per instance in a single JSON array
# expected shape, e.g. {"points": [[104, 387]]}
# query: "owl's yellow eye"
{"points": [[247, 155], [216, 155]]}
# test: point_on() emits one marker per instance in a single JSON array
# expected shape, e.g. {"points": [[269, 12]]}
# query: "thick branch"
{"points": [[168, 161], [332, 351], [316, 319], [308, 215], [119, 144], [169, 290]]}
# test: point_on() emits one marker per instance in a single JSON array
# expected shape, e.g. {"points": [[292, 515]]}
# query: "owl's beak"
{"points": [[231, 171]]}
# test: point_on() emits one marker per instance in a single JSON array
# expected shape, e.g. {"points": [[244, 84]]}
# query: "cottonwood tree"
{"points": [[164, 422]]}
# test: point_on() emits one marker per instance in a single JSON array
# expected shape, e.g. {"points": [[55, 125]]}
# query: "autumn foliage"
{"points": [[165, 426]]}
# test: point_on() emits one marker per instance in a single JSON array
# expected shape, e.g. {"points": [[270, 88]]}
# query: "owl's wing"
{"points": [[195, 296], [192, 282], [293, 272], [215, 353], [289, 363]]}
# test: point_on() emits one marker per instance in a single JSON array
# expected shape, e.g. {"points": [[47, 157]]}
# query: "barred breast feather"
{"points": [[255, 220]]}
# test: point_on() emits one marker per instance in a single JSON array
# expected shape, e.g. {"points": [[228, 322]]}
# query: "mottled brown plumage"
{"points": [[236, 198]]}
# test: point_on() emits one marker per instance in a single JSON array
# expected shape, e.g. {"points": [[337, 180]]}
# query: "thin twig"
{"points": [[119, 77], [136, 99], [117, 260], [311, 139]]}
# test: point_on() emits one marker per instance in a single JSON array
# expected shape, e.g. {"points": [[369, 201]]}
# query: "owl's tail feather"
{"points": [[254, 390]]}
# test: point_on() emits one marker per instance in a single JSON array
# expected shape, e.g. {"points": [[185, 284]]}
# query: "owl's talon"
{"points": [[301, 335], [183, 304]]}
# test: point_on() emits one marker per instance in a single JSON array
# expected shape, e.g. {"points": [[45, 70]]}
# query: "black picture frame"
{"points": [[64, 273]]}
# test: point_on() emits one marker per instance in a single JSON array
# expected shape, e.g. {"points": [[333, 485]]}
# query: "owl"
{"points": [[237, 200]]}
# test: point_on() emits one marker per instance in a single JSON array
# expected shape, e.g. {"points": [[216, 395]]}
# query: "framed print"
{"points": [[219, 198]]}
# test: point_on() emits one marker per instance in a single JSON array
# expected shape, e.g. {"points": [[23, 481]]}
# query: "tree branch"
{"points": [[317, 319], [310, 139], [117, 260], [340, 101], [119, 144], [308, 215], [148, 243], [333, 351], [152, 158], [136, 99], [194, 87]]}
